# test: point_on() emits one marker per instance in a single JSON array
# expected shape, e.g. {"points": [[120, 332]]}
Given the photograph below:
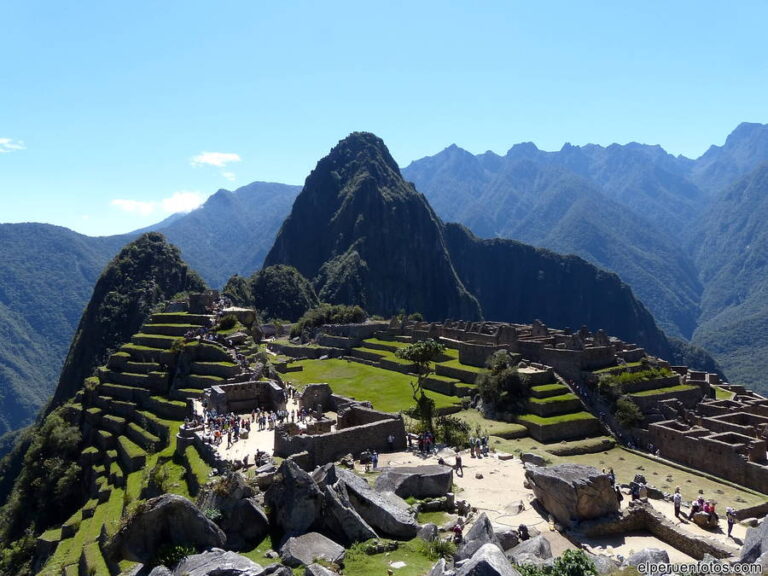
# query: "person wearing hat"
{"points": [[730, 515], [677, 499]]}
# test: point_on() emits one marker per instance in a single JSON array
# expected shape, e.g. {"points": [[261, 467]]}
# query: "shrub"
{"points": [[169, 555], [327, 314], [628, 415], [452, 431], [227, 322], [438, 548]]}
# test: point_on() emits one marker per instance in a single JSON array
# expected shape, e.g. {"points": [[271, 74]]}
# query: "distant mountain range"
{"points": [[686, 235]]}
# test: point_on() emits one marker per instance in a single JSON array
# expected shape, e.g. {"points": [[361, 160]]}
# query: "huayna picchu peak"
{"points": [[363, 235]]}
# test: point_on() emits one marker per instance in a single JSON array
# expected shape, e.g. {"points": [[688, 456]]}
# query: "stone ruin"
{"points": [[723, 437], [358, 428], [243, 397]]}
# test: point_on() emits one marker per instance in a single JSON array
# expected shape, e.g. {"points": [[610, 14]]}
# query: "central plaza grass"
{"points": [[387, 390]]}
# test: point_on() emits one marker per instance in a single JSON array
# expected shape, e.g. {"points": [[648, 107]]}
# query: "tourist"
{"points": [[472, 446], [677, 500], [391, 442], [730, 515], [619, 496], [695, 507], [612, 476], [375, 459], [458, 466], [458, 533]]}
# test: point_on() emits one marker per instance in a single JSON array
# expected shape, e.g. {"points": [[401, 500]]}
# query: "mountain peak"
{"points": [[356, 210]]}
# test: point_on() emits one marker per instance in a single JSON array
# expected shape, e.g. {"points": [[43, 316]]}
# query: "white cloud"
{"points": [[11, 145], [135, 206], [218, 159], [181, 201], [229, 176]]}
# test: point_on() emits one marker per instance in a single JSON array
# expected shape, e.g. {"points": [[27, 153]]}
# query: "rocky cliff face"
{"points": [[365, 236], [146, 272], [520, 283]]}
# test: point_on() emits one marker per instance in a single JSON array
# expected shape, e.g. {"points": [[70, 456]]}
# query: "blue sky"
{"points": [[113, 115]]}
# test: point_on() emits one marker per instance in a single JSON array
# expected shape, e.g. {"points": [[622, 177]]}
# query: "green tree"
{"points": [[628, 414], [422, 354], [502, 382]]}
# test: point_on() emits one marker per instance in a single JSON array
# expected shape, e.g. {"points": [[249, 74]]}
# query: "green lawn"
{"points": [[655, 391], [544, 420], [491, 427], [358, 563], [388, 390], [393, 343], [722, 394]]}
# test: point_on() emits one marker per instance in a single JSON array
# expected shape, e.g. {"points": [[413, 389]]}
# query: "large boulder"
{"points": [[489, 560], [648, 556], [755, 542], [506, 536], [318, 570], [480, 534], [306, 549], [536, 551], [572, 492], [246, 526], [439, 569], [295, 499], [603, 564], [166, 520], [341, 520], [217, 563], [430, 481], [385, 512]]}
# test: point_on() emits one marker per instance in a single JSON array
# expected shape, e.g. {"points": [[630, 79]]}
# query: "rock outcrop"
{"points": [[385, 512], [571, 492], [480, 534], [309, 548], [755, 542], [489, 560], [296, 501], [417, 482], [166, 520], [217, 563]]}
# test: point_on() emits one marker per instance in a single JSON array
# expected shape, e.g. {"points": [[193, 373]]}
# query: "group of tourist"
{"points": [[218, 426], [425, 442], [478, 447]]}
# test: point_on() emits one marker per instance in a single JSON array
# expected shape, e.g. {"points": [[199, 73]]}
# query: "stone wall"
{"points": [[356, 331], [247, 396], [643, 517], [359, 416], [689, 398], [726, 454], [476, 354], [563, 430], [324, 448]]}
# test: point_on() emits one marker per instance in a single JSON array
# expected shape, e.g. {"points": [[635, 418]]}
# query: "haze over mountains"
{"points": [[686, 235]]}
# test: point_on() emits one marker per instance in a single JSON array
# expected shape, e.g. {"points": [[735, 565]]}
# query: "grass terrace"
{"points": [[387, 390], [543, 421], [659, 391]]}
